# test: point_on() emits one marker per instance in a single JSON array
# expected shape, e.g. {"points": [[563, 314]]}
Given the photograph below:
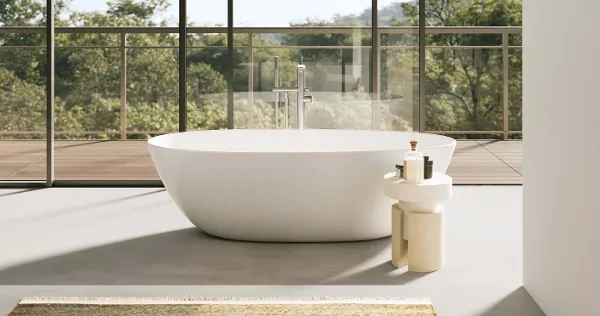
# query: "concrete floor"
{"points": [[113, 242]]}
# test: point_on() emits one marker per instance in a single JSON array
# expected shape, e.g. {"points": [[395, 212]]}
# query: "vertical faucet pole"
{"points": [[302, 96], [276, 85], [300, 99], [287, 110]]}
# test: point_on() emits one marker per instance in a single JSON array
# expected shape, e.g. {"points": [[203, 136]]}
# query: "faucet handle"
{"points": [[308, 98]]}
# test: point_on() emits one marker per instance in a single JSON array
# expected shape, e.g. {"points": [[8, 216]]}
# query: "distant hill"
{"points": [[386, 15]]}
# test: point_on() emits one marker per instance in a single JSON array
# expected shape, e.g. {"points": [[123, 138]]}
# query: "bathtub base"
{"points": [[294, 239], [284, 232]]}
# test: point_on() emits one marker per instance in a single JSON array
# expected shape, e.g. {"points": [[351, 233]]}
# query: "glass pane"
{"points": [[515, 73], [336, 61], [398, 13], [201, 13], [152, 92], [399, 88], [243, 96], [515, 117], [114, 89], [87, 111], [465, 75], [341, 99], [23, 13], [158, 39], [464, 89], [22, 114], [399, 64], [207, 66], [207, 85], [474, 13], [273, 13], [87, 92], [120, 13], [22, 91], [71, 38]]}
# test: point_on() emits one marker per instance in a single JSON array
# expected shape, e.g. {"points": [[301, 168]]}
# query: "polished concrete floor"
{"points": [[113, 242]]}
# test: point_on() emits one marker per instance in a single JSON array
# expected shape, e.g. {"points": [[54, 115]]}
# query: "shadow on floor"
{"points": [[15, 192], [382, 274], [190, 257], [54, 214], [72, 144], [472, 145], [518, 302]]}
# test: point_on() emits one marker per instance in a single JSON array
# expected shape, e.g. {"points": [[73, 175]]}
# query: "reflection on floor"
{"points": [[474, 162], [111, 242]]}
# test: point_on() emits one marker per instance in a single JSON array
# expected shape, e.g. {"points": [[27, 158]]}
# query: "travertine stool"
{"points": [[418, 221]]}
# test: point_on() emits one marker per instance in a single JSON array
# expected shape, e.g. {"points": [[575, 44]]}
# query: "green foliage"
{"points": [[142, 10], [21, 12], [23, 104]]}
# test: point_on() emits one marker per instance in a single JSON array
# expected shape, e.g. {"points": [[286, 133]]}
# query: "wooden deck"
{"points": [[487, 162], [474, 162]]}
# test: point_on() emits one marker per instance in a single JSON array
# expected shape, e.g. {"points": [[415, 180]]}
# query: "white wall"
{"points": [[561, 92]]}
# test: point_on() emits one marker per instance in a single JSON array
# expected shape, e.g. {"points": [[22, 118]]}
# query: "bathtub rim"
{"points": [[152, 142]]}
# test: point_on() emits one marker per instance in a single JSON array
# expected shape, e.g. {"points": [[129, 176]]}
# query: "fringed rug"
{"points": [[223, 306]]}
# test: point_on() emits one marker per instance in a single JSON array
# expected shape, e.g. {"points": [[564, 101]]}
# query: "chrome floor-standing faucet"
{"points": [[302, 96]]}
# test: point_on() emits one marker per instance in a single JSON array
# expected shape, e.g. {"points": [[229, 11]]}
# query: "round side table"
{"points": [[418, 221]]}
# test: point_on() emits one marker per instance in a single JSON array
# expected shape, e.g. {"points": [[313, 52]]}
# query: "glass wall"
{"points": [[23, 78], [118, 69]]}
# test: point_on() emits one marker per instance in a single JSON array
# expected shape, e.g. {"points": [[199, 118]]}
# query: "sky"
{"points": [[269, 13]]}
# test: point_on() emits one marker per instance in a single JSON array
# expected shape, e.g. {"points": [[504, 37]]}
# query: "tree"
{"points": [[141, 10]]}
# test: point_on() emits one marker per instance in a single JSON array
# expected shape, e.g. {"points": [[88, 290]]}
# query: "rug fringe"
{"points": [[425, 300]]}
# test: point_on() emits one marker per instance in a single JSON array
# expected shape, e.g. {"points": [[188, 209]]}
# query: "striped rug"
{"points": [[223, 306]]}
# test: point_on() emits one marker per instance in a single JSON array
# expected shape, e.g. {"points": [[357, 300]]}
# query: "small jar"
{"points": [[425, 161], [429, 169], [399, 171]]}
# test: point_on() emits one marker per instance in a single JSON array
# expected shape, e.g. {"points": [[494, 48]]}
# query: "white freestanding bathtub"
{"points": [[288, 185]]}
